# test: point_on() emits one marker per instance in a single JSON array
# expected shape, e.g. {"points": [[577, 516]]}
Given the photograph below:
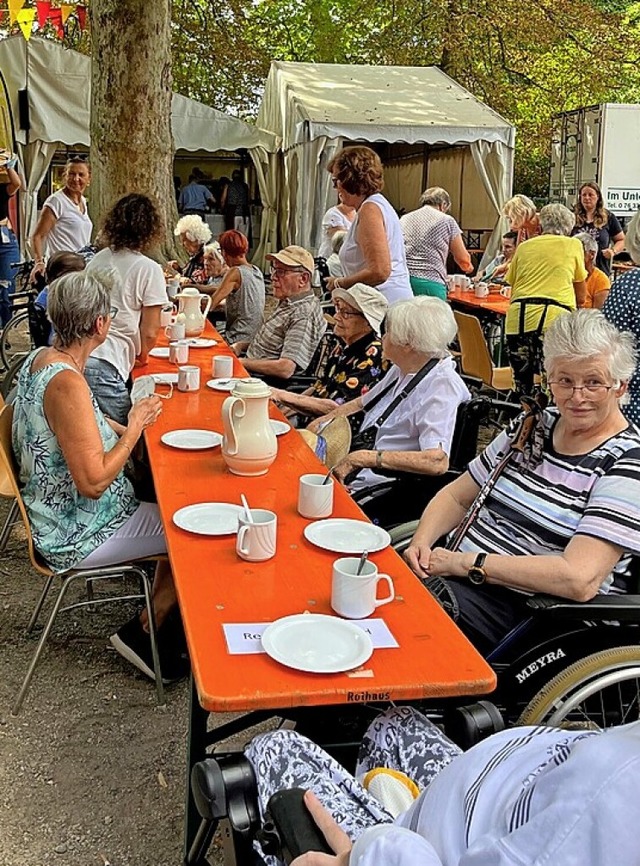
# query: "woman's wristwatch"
{"points": [[476, 574]]}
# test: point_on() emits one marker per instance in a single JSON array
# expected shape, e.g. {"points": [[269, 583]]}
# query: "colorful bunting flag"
{"points": [[25, 19], [55, 16], [81, 12], [43, 7], [14, 7], [66, 9]]}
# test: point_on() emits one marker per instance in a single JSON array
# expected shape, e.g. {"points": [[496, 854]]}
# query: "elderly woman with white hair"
{"points": [[563, 516], [430, 234], [622, 308], [215, 267], [547, 277], [194, 233], [523, 217], [409, 416]]}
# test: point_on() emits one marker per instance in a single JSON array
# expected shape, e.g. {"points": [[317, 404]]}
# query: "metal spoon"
{"points": [[363, 559], [247, 510]]}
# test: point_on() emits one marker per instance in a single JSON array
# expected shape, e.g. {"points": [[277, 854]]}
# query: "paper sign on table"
{"points": [[244, 638]]}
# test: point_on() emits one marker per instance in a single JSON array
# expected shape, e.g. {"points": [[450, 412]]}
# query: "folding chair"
{"points": [[6, 492], [475, 358], [8, 470]]}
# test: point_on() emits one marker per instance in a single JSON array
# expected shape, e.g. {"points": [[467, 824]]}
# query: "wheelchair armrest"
{"points": [[369, 494], [602, 607]]}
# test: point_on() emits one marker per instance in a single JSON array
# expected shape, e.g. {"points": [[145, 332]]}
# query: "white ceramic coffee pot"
{"points": [[249, 445]]}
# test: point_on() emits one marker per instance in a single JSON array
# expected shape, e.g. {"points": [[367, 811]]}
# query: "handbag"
{"points": [[365, 440]]}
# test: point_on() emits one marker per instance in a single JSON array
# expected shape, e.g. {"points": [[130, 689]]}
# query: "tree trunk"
{"points": [[131, 140]]}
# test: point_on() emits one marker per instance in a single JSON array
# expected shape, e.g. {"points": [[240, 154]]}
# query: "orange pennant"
{"points": [[66, 9], [25, 19], [14, 7]]}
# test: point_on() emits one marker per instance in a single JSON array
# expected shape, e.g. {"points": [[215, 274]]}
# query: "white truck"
{"points": [[600, 143]]}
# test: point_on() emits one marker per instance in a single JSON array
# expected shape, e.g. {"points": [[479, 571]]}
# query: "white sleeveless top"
{"points": [[397, 286]]}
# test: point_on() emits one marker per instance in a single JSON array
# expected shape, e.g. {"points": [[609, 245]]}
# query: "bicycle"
{"points": [[16, 339]]}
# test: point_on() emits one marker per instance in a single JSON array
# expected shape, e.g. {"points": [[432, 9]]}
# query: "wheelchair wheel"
{"points": [[15, 340], [401, 535], [10, 378], [599, 691]]}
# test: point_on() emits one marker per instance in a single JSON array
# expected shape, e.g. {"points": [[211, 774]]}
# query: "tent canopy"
{"points": [[437, 133], [304, 101], [59, 85], [58, 81]]}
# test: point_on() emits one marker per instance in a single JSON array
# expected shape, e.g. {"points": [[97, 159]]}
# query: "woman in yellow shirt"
{"points": [[547, 277]]}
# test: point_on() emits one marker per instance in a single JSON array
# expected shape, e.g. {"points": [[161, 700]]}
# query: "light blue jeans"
{"points": [[109, 389], [9, 255]]}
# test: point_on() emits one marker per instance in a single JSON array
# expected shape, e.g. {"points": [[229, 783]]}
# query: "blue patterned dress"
{"points": [[66, 526]]}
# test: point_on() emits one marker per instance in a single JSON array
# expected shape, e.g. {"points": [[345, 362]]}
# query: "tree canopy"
{"points": [[527, 61]]}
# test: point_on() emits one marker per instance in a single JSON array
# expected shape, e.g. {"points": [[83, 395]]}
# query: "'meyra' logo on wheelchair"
{"points": [[540, 663]]}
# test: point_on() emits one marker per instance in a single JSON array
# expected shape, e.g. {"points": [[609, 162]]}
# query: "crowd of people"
{"points": [[560, 516]]}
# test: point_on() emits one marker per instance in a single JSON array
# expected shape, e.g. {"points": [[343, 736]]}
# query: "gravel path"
{"points": [[91, 771]]}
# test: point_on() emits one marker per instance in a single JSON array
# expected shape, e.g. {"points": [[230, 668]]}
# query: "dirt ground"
{"points": [[92, 770]]}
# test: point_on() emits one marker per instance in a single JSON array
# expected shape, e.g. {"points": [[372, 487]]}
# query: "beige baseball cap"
{"points": [[372, 303], [295, 257]]}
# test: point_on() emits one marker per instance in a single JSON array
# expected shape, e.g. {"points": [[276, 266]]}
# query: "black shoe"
{"points": [[134, 644]]}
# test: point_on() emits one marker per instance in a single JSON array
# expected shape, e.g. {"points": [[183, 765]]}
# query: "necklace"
{"points": [[69, 355]]}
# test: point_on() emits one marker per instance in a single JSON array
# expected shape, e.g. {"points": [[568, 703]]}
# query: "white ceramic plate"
{"points": [[279, 427], [191, 440], [316, 643], [165, 378], [159, 352], [343, 535], [201, 342], [222, 384], [208, 518]]}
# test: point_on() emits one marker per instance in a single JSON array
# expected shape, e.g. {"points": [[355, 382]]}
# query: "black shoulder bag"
{"points": [[365, 440]]}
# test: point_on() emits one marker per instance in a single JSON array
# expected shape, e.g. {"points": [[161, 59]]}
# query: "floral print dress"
{"points": [[66, 526], [351, 371]]}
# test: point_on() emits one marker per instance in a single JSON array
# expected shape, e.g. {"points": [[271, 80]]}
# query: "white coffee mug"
{"points": [[505, 291], [481, 290], [176, 330], [179, 352], [222, 366], [315, 499], [188, 378], [173, 286], [256, 540], [449, 284], [166, 316], [354, 595]]}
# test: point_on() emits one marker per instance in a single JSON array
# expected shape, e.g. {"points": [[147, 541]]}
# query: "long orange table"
{"points": [[493, 303], [215, 587]]}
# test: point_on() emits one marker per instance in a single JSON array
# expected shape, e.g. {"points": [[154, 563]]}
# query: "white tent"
{"points": [[433, 133], [58, 82]]}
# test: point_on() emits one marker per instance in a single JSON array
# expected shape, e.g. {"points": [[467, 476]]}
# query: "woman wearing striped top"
{"points": [[563, 517]]}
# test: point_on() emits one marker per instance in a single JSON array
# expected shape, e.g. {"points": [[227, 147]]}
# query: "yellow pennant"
{"points": [[14, 8], [25, 19], [66, 9]]}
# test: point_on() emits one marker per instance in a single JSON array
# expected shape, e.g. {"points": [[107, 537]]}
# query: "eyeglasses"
{"points": [[280, 272], [565, 388], [113, 312], [346, 314]]}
